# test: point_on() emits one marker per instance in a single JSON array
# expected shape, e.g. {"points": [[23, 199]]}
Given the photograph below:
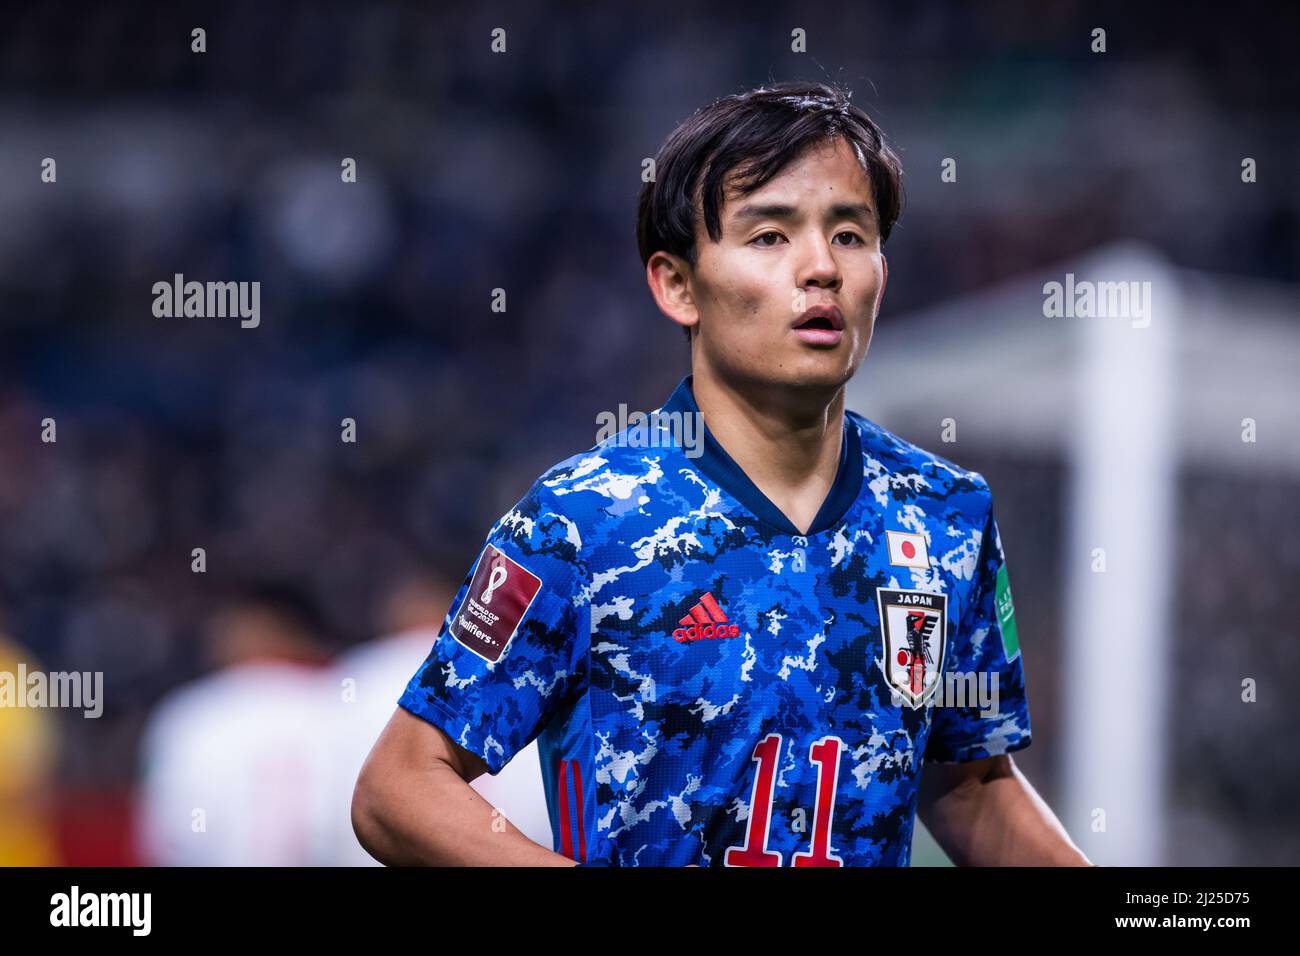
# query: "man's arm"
{"points": [[985, 813], [413, 805]]}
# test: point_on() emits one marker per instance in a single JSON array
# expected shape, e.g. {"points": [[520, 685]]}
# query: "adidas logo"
{"points": [[705, 621]]}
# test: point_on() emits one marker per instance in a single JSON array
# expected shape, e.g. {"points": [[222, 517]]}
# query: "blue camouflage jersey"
{"points": [[706, 684]]}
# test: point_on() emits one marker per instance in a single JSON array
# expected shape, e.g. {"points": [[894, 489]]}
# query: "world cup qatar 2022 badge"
{"points": [[499, 596], [914, 628]]}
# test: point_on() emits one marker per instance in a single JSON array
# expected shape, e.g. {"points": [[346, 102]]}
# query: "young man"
{"points": [[735, 658]]}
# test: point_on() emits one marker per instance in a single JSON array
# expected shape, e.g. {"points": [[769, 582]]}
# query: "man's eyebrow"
{"points": [[844, 210]]}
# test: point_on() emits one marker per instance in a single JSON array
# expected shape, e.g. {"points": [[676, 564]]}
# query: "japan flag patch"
{"points": [[907, 550]]}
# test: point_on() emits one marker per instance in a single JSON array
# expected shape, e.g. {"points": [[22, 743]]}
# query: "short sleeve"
{"points": [[513, 649], [986, 644]]}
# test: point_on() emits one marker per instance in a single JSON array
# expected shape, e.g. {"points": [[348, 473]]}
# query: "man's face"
{"points": [[809, 237]]}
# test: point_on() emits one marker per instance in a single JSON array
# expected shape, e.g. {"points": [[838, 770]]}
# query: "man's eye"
{"points": [[758, 240]]}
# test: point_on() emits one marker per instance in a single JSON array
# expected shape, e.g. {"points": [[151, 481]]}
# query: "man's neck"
{"points": [[787, 442]]}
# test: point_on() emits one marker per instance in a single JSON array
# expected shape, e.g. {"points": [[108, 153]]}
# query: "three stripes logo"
{"points": [[705, 621]]}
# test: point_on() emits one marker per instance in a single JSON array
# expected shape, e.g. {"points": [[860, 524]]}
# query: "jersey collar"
{"points": [[722, 468]]}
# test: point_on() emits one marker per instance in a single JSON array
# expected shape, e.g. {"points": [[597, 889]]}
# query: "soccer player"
{"points": [[735, 651], [248, 744]]}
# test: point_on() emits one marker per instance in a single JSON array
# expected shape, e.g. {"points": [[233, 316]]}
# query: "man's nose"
{"points": [[818, 264]]}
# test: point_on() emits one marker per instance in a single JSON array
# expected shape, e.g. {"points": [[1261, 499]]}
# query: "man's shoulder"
{"points": [[895, 467], [593, 486]]}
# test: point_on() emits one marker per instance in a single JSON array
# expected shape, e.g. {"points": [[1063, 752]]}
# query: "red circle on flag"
{"points": [[908, 549]]}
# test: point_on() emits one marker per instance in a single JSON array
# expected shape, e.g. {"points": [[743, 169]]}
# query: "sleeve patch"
{"points": [[499, 596], [1007, 615]]}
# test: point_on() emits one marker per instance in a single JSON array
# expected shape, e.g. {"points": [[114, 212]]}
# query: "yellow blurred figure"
{"points": [[28, 745]]}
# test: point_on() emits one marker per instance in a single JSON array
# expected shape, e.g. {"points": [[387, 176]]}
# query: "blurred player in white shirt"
{"points": [[255, 764], [237, 766]]}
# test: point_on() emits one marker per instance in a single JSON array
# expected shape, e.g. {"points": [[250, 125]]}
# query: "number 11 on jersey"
{"points": [[826, 754]]}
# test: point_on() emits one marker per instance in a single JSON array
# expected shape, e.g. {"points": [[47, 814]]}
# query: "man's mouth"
{"points": [[820, 325]]}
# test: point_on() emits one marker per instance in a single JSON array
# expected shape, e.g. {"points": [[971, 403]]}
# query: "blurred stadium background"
{"points": [[252, 690]]}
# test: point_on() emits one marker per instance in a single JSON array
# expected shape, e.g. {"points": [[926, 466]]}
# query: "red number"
{"points": [[826, 754], [760, 810]]}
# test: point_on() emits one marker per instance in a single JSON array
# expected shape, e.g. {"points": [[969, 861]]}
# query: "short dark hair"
{"points": [[294, 606], [756, 134]]}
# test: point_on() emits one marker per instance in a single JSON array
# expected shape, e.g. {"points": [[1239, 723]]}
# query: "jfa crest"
{"points": [[913, 626]]}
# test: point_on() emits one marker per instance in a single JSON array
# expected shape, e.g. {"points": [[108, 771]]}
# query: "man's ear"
{"points": [[669, 278], [884, 280]]}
